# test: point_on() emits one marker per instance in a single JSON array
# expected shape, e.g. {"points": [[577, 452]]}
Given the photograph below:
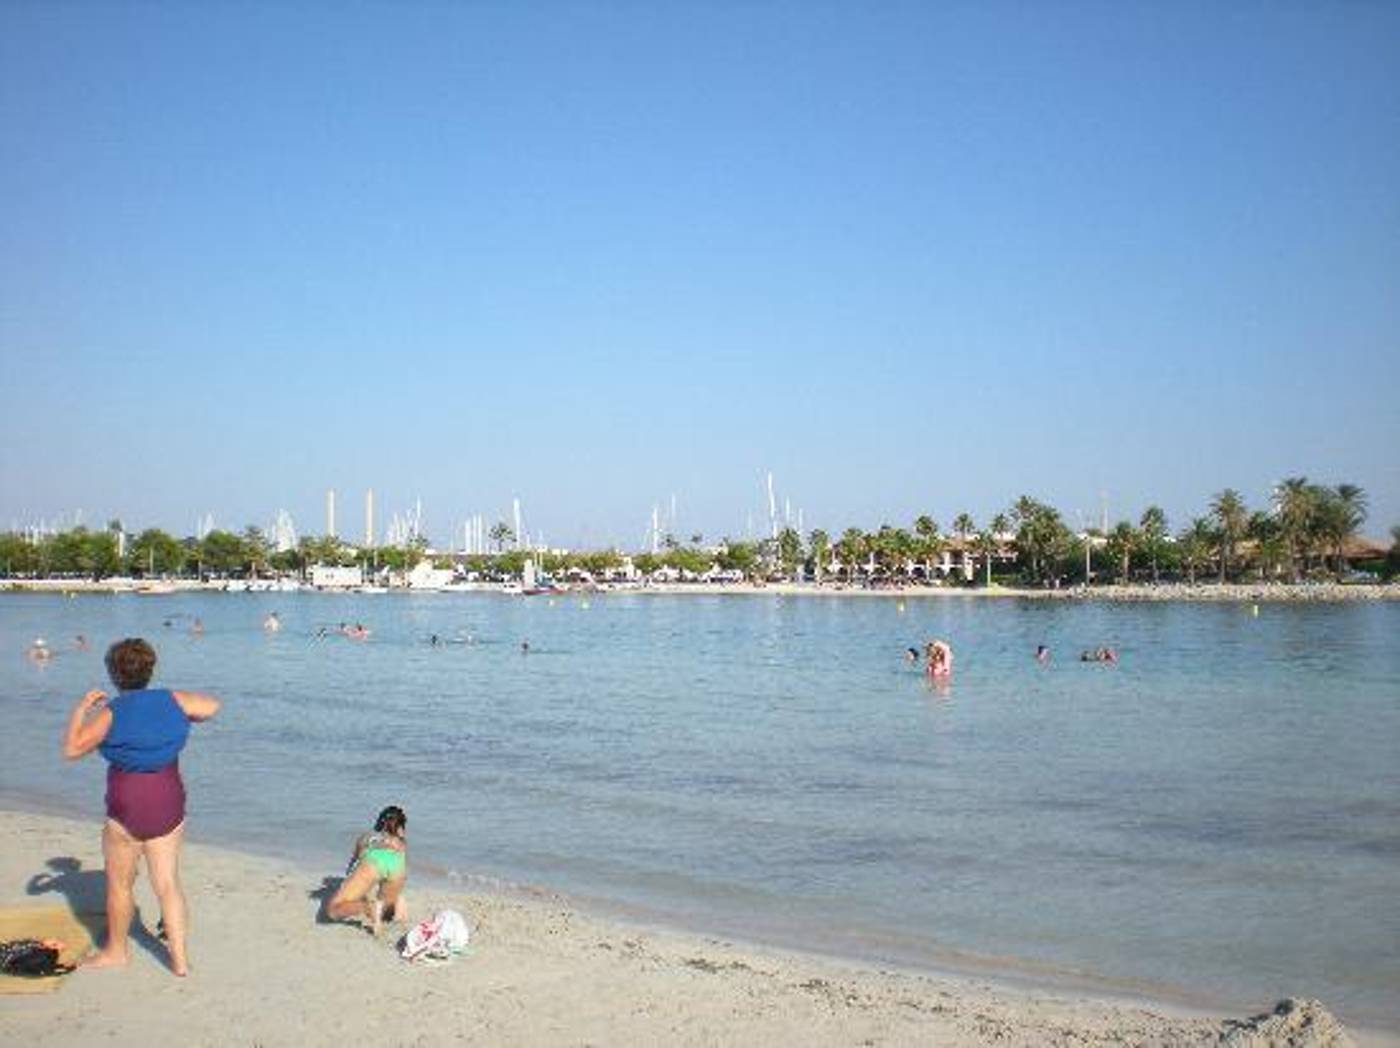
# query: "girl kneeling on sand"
{"points": [[380, 862]]}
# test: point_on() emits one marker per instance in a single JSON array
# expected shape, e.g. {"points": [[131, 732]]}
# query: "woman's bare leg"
{"points": [[393, 900], [122, 852], [163, 867], [352, 897]]}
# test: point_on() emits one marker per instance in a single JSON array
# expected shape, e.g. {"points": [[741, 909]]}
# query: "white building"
{"points": [[423, 576], [326, 576]]}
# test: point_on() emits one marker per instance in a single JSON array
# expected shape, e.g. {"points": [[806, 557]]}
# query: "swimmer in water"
{"points": [[940, 659], [39, 651], [272, 623], [524, 647], [911, 654], [80, 643], [197, 628], [1042, 654]]}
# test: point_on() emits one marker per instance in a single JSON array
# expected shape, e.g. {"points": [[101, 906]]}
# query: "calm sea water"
{"points": [[1218, 814]]}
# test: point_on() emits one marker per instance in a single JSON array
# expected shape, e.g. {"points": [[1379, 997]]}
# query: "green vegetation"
{"points": [[1306, 532]]}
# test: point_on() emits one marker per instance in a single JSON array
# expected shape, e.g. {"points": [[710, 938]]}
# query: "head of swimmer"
{"points": [[392, 820], [130, 663]]}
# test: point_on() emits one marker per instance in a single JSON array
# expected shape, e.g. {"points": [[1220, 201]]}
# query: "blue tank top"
{"points": [[148, 730]]}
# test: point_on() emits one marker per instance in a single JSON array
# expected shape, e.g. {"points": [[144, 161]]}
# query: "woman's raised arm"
{"points": [[86, 730], [197, 707]]}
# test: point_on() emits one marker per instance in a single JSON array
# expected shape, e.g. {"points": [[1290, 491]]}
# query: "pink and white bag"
{"points": [[439, 938]]}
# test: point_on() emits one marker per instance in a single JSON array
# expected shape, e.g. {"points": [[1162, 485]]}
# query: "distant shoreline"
{"points": [[1180, 592]]}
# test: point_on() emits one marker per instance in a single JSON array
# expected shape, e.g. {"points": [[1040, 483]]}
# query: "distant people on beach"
{"points": [[374, 880], [1098, 655], [140, 733], [39, 651], [939, 656], [272, 623]]}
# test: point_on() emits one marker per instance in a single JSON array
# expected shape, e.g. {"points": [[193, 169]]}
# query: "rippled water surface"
{"points": [[1219, 813]]}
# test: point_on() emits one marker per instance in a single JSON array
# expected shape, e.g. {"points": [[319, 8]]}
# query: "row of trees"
{"points": [[155, 553], [1303, 532]]}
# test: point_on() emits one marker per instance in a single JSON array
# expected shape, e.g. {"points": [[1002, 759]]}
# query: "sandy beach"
{"points": [[538, 972]]}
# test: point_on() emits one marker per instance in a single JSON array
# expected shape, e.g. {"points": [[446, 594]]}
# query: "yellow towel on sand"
{"points": [[44, 922]]}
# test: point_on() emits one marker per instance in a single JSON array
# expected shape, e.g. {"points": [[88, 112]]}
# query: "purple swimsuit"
{"points": [[147, 804]]}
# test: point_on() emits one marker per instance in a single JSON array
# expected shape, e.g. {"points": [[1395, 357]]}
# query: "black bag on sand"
{"points": [[30, 957]]}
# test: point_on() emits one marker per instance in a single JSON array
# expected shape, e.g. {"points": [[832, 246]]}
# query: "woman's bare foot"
{"points": [[104, 958]]}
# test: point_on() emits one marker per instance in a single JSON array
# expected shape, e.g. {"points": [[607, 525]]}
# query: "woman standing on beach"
{"points": [[141, 733]]}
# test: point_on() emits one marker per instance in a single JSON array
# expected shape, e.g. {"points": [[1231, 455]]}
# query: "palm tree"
{"points": [[1347, 512], [986, 545], [891, 547], [851, 549], [1270, 550], [963, 526], [1294, 503], [1122, 540], [991, 540], [1041, 535], [819, 543], [1153, 528], [1230, 514], [255, 547], [1196, 544], [928, 542], [789, 550]]}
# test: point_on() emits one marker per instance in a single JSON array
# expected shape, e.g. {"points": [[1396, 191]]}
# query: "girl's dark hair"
{"points": [[391, 820], [130, 663]]}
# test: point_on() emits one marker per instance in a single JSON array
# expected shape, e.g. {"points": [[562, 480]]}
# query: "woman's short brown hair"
{"points": [[130, 663]]}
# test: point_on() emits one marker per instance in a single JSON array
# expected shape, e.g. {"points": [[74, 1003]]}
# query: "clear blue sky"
{"points": [[910, 257]]}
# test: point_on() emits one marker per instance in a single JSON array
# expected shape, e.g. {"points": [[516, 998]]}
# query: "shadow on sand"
{"points": [[86, 894], [324, 894]]}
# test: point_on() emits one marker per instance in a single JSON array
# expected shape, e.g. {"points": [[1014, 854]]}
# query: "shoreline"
{"points": [[1166, 592], [541, 969]]}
